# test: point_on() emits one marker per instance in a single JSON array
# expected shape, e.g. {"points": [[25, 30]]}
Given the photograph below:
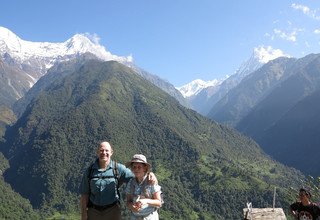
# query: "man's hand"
{"points": [[152, 179], [84, 216]]}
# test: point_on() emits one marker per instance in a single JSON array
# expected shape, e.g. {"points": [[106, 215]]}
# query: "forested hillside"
{"points": [[207, 171], [297, 133], [13, 206]]}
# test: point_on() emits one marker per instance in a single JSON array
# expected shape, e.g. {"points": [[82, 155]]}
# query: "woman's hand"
{"points": [[136, 206]]}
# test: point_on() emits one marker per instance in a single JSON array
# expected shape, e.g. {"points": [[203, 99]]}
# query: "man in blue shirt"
{"points": [[99, 186]]}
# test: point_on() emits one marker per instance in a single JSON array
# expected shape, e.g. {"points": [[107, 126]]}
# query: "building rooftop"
{"points": [[264, 214]]}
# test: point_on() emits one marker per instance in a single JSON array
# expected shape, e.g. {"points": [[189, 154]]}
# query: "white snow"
{"points": [[260, 56], [15, 91], [196, 86], [22, 50]]}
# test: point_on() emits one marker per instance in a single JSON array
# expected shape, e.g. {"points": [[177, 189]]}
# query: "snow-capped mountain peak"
{"points": [[196, 86], [78, 43], [8, 40], [260, 56], [82, 43], [47, 53], [33, 59]]}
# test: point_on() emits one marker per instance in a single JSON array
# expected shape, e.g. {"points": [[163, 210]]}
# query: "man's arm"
{"points": [[126, 174], [294, 214], [293, 211], [83, 206]]}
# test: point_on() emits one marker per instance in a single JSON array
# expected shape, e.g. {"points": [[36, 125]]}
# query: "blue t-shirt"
{"points": [[103, 185], [143, 190]]}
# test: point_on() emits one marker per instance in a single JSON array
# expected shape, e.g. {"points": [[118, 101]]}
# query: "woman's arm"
{"points": [[156, 201]]}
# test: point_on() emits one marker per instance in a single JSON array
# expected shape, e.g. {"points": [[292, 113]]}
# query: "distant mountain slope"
{"points": [[204, 100], [162, 84], [294, 139], [303, 80], [207, 171], [240, 100], [11, 89], [193, 88], [7, 117], [282, 105], [198, 92]]}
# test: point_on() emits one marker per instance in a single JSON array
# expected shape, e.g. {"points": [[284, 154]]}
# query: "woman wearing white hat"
{"points": [[143, 199]]}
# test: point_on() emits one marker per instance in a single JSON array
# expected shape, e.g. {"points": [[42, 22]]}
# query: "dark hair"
{"points": [[307, 192]]}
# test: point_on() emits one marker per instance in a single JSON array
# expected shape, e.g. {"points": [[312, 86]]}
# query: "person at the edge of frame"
{"points": [[304, 209]]}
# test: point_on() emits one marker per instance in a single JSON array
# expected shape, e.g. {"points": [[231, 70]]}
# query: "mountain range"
{"points": [[262, 99], [285, 121], [203, 96], [83, 101], [56, 108], [23, 63], [265, 100]]}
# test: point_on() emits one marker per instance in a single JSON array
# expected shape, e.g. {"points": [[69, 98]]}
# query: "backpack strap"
{"points": [[117, 177], [89, 177]]}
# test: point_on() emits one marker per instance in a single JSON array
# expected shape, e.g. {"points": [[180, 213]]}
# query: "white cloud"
{"points": [[94, 38], [317, 31], [267, 53], [286, 36], [276, 21], [271, 36], [306, 10], [130, 58]]}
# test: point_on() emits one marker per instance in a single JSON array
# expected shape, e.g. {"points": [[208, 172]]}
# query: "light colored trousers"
{"points": [[153, 216]]}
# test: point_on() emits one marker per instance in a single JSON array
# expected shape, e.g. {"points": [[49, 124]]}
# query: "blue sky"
{"points": [[178, 40]]}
